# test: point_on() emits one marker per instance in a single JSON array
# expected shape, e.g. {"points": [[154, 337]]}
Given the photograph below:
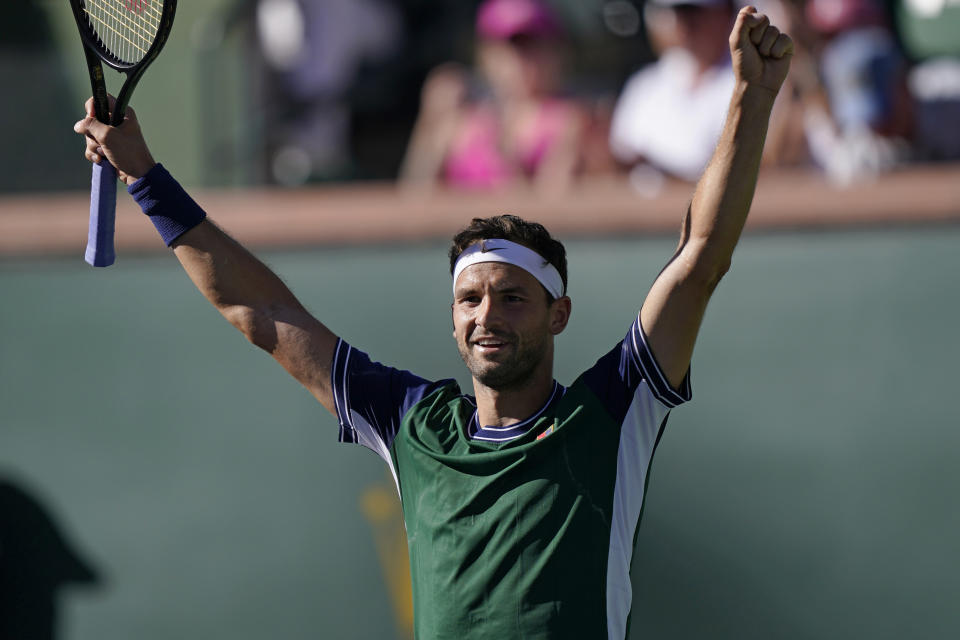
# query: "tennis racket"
{"points": [[127, 35]]}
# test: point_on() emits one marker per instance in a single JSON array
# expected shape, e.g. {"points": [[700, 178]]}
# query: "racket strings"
{"points": [[126, 28], [142, 16]]}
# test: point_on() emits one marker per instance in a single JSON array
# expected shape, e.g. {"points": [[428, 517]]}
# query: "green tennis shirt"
{"points": [[526, 531]]}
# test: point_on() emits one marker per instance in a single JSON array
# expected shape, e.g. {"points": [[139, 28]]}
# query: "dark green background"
{"points": [[809, 491]]}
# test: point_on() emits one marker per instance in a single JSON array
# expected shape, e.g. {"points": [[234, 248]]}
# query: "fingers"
{"points": [[754, 27], [129, 114], [87, 127], [757, 26], [769, 36], [90, 106], [98, 131], [782, 47], [746, 27], [95, 133], [91, 127], [122, 145]]}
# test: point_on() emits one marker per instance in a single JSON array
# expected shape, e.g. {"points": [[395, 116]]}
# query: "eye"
{"points": [[514, 298]]}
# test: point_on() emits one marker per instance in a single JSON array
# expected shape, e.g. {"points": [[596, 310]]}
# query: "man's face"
{"points": [[504, 325]]}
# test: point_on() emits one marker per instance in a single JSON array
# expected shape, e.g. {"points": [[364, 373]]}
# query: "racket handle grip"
{"points": [[103, 206]]}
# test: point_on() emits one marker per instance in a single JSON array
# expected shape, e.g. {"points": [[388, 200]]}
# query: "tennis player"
{"points": [[522, 501]]}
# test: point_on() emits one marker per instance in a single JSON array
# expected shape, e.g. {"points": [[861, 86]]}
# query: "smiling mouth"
{"points": [[490, 343]]}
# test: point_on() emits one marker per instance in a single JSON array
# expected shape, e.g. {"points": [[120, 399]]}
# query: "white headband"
{"points": [[497, 250]]}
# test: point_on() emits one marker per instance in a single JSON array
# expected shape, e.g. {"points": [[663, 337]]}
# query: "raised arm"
{"points": [[244, 290], [441, 109], [673, 310]]}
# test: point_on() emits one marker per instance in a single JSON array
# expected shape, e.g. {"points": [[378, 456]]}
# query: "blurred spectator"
{"points": [[508, 123], [866, 123], [930, 33], [669, 115], [935, 87], [313, 51], [786, 143]]}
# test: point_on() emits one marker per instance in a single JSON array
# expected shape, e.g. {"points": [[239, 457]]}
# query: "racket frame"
{"points": [[96, 53], [100, 235]]}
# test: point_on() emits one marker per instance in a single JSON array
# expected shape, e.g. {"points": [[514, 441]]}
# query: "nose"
{"points": [[488, 313]]}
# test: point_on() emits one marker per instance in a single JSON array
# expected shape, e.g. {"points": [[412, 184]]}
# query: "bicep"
{"points": [[257, 302], [305, 347], [673, 312]]}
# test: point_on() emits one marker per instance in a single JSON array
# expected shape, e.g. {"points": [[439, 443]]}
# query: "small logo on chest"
{"points": [[549, 430]]}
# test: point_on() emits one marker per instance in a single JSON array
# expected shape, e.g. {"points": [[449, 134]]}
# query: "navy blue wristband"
{"points": [[172, 211]]}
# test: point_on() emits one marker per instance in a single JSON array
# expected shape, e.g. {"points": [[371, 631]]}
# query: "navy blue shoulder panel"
{"points": [[615, 377], [371, 398]]}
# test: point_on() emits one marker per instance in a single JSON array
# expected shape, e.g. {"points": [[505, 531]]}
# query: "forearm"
{"points": [[423, 161], [257, 302], [724, 193], [561, 163], [243, 289], [674, 308]]}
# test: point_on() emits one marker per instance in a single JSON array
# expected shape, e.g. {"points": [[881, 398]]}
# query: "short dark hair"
{"points": [[532, 235]]}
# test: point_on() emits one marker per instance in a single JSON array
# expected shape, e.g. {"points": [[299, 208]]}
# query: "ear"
{"points": [[560, 314]]}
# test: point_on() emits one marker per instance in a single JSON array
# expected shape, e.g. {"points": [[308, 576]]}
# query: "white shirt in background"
{"points": [[669, 118]]}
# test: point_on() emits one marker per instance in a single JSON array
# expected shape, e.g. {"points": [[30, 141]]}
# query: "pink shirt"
{"points": [[477, 159]]}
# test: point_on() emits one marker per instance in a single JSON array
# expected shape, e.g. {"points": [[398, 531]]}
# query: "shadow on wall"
{"points": [[36, 561]]}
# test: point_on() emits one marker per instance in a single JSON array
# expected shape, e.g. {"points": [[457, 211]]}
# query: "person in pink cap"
{"points": [[517, 130]]}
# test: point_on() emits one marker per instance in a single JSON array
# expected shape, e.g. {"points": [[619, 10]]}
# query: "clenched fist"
{"points": [[760, 52]]}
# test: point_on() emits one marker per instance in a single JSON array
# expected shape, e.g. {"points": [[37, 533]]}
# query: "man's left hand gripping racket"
{"points": [[127, 35]]}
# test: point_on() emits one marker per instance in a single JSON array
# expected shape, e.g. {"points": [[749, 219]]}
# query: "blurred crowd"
{"points": [[867, 93], [487, 94]]}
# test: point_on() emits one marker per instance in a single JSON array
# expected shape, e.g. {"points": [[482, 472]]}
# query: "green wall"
{"points": [[808, 491]]}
